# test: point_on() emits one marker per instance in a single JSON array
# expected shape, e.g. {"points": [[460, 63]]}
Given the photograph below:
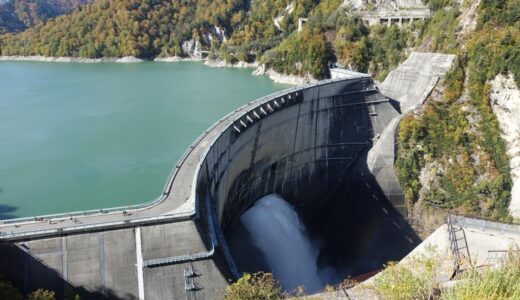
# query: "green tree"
{"points": [[7, 291]]}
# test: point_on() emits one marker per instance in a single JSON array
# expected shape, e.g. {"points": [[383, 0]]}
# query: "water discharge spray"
{"points": [[276, 233]]}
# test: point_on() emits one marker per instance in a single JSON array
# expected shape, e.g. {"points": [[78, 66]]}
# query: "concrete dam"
{"points": [[326, 148]]}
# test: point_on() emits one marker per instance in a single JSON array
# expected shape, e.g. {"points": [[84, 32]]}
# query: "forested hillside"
{"points": [[232, 30], [451, 154], [265, 32], [117, 28], [17, 15]]}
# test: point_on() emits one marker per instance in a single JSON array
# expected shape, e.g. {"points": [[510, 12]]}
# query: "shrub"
{"points": [[415, 279], [497, 283], [7, 291], [42, 294], [257, 286]]}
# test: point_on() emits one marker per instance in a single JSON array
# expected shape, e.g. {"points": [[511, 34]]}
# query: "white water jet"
{"points": [[276, 231]]}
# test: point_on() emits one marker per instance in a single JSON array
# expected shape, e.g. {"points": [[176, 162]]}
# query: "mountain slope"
{"points": [[451, 155], [18, 15], [117, 28]]}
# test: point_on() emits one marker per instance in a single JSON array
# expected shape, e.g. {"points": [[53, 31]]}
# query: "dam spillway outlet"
{"points": [[270, 237], [312, 247]]}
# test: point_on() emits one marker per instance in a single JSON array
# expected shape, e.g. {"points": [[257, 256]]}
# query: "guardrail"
{"points": [[168, 185], [157, 200], [78, 228], [455, 248], [488, 225], [499, 256]]}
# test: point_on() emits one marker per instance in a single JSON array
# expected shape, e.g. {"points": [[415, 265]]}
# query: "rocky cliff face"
{"points": [[505, 100], [192, 48], [468, 16]]}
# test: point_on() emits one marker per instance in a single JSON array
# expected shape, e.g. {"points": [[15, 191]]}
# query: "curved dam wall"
{"points": [[308, 144], [300, 144]]}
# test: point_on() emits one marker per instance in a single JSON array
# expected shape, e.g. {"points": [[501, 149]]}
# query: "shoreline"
{"points": [[260, 70], [176, 59], [39, 58], [283, 78], [216, 63]]}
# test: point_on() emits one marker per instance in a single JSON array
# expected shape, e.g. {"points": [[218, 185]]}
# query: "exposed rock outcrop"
{"points": [[192, 48], [468, 16], [505, 101], [288, 10], [224, 64], [218, 33], [176, 59], [283, 78]]}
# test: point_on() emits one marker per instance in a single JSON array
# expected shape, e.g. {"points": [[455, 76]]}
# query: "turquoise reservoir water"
{"points": [[86, 136]]}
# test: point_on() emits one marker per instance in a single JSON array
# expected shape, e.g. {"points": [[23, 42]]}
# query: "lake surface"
{"points": [[87, 136]]}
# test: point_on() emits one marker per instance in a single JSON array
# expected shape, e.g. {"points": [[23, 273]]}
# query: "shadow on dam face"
{"points": [[29, 273], [314, 154], [359, 228], [352, 231]]}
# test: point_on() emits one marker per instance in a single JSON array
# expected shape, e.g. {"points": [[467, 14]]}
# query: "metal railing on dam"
{"points": [[182, 198]]}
